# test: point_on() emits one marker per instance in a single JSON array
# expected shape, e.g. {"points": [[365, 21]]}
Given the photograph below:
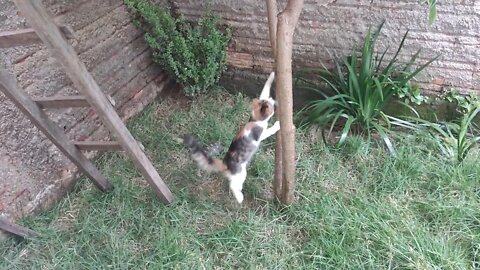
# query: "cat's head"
{"points": [[262, 110], [263, 107]]}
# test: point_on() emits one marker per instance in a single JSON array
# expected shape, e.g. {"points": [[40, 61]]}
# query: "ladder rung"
{"points": [[21, 37], [98, 146], [16, 229], [25, 37], [61, 102]]}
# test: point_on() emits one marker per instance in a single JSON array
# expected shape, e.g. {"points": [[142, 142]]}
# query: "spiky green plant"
{"points": [[362, 87], [456, 138]]}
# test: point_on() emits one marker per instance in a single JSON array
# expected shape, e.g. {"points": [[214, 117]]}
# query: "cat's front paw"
{"points": [[272, 76], [276, 126]]}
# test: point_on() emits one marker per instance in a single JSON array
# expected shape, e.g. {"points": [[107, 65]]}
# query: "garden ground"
{"points": [[356, 208]]}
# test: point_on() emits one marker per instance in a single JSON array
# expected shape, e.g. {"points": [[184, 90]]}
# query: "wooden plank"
{"points": [[98, 146], [39, 18], [9, 87], [21, 37], [25, 37], [61, 102], [16, 229]]}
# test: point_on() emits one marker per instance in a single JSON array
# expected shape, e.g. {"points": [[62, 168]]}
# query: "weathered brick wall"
{"points": [[32, 171], [339, 25]]}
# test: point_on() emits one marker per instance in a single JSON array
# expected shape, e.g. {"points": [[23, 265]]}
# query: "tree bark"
{"points": [[287, 21], [272, 28]]}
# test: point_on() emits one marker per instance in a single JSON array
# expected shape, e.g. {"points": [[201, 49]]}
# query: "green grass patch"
{"points": [[357, 207]]}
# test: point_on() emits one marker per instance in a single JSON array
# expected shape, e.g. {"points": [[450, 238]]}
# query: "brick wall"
{"points": [[32, 171], [339, 25]]}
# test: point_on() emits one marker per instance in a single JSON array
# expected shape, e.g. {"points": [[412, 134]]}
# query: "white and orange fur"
{"points": [[243, 146]]}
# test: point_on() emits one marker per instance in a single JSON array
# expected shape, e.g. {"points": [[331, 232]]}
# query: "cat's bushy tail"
{"points": [[201, 157]]}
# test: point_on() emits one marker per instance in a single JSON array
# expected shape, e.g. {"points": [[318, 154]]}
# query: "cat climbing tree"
{"points": [[45, 30]]}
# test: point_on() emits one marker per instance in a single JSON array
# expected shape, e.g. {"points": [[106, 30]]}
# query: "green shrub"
{"points": [[195, 56], [359, 90]]}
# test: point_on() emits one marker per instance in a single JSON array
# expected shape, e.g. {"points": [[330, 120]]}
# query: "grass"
{"points": [[356, 209]]}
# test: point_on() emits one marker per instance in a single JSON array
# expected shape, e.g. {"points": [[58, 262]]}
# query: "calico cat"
{"points": [[243, 146]]}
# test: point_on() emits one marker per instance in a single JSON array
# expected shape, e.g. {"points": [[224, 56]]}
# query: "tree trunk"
{"points": [[272, 27], [287, 20]]}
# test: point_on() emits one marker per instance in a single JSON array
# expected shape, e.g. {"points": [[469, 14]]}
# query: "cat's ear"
{"points": [[255, 104], [266, 89]]}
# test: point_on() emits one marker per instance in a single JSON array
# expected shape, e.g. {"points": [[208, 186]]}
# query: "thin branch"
{"points": [[272, 13]]}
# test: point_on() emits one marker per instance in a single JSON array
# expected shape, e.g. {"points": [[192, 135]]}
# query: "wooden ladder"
{"points": [[45, 30]]}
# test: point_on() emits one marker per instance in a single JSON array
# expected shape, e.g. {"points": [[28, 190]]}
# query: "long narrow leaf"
{"points": [[367, 58], [355, 88], [395, 56], [402, 123], [409, 107], [346, 129], [380, 61], [379, 90], [383, 134], [419, 69], [334, 121], [412, 60], [432, 14], [386, 120]]}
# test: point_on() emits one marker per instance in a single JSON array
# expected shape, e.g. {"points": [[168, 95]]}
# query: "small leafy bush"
{"points": [[456, 138], [195, 56], [360, 88]]}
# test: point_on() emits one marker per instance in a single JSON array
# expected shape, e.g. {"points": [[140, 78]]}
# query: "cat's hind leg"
{"points": [[236, 184]]}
